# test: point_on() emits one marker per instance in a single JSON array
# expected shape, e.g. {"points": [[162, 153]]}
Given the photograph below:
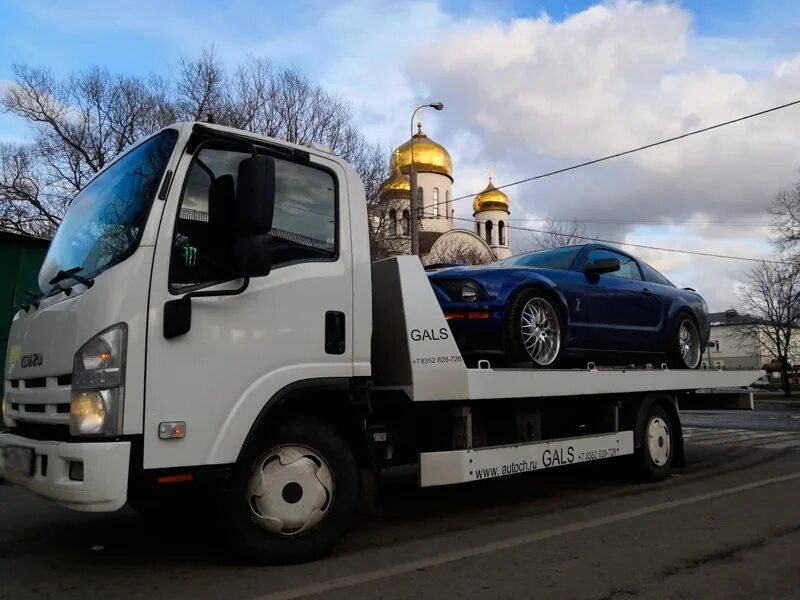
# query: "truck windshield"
{"points": [[104, 222]]}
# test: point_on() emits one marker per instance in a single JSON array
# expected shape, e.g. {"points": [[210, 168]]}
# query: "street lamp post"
{"points": [[412, 175]]}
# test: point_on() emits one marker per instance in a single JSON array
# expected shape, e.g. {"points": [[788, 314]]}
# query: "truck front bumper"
{"points": [[104, 483]]}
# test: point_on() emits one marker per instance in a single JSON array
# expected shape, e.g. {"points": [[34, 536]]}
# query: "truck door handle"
{"points": [[334, 332], [647, 292]]}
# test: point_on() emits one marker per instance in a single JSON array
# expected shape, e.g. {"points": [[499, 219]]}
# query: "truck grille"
{"points": [[43, 400]]}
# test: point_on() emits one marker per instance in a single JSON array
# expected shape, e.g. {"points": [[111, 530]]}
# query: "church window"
{"points": [[501, 233], [489, 232], [406, 222], [435, 205], [392, 222], [449, 212]]}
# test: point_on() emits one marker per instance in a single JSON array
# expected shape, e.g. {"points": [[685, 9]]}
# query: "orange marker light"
{"points": [[180, 478]]}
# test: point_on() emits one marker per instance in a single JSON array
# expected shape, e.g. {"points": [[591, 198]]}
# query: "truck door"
{"points": [[292, 325]]}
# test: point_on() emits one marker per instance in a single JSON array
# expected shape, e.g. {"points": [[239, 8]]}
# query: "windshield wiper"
{"points": [[72, 274], [31, 299]]}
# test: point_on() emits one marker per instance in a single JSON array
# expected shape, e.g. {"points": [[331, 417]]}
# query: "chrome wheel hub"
{"points": [[689, 344], [658, 441], [290, 490], [541, 331]]}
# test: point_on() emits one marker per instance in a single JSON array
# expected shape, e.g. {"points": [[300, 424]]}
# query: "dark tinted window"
{"points": [[627, 266], [303, 228], [105, 220], [652, 275], [553, 258]]}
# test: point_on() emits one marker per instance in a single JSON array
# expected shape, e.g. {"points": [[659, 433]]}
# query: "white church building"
{"points": [[440, 240]]}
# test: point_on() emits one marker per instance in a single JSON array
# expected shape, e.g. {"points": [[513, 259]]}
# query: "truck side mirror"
{"points": [[177, 317], [253, 209], [601, 265]]}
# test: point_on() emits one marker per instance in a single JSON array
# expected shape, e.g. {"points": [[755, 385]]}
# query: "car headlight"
{"points": [[98, 384], [462, 290]]}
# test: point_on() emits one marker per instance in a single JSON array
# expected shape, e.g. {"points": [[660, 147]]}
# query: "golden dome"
{"points": [[491, 199], [397, 185], [429, 156]]}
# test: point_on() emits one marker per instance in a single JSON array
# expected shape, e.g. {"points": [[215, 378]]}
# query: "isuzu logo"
{"points": [[32, 360]]}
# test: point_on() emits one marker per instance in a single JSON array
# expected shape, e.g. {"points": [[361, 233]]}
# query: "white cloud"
{"points": [[541, 94]]}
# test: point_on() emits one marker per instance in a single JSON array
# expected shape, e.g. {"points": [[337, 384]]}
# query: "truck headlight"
{"points": [[98, 384]]}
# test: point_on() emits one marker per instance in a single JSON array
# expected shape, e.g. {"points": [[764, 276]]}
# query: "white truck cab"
{"points": [[205, 321]]}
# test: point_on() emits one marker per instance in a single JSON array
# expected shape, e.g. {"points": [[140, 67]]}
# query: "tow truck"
{"points": [[210, 325]]}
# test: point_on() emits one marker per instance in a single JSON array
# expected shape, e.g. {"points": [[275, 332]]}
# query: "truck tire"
{"points": [[293, 494], [534, 329], [653, 459]]}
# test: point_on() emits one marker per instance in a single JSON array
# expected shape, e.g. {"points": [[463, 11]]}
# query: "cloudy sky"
{"points": [[529, 86]]}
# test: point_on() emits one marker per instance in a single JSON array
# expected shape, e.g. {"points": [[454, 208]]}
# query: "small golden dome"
{"points": [[429, 156], [398, 185], [491, 199]]}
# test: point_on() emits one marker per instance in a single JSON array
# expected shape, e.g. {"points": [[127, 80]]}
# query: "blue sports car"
{"points": [[585, 303]]}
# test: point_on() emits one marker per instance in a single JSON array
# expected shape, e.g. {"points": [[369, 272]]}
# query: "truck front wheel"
{"points": [[293, 494]]}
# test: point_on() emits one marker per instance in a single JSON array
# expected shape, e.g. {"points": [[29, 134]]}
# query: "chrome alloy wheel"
{"points": [[689, 342], [290, 490], [541, 331], [658, 441]]}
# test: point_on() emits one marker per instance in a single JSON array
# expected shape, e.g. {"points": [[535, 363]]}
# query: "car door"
{"points": [[242, 349], [623, 312]]}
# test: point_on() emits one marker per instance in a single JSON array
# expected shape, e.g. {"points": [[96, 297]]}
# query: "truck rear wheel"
{"points": [[293, 495], [653, 459]]}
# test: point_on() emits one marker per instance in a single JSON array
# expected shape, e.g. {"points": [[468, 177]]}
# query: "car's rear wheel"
{"points": [[685, 351], [534, 329]]}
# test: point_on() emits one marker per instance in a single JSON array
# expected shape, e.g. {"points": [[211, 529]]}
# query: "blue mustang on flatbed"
{"points": [[586, 303]]}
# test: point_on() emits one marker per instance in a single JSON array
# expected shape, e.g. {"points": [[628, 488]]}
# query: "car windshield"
{"points": [[552, 258], [104, 222]]}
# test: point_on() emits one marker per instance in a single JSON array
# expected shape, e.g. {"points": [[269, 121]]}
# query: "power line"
{"points": [[654, 222], [631, 151], [595, 239]]}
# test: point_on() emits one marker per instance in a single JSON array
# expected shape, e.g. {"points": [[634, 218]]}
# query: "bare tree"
{"points": [[785, 214], [81, 122], [555, 234], [770, 300]]}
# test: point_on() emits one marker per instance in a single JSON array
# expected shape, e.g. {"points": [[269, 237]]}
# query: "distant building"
{"points": [[729, 351], [440, 240]]}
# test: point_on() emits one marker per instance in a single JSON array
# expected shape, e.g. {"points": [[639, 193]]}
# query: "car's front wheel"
{"points": [[685, 351], [534, 329]]}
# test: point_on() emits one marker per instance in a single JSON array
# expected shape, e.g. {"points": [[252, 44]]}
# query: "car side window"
{"points": [[627, 266], [303, 229], [652, 275]]}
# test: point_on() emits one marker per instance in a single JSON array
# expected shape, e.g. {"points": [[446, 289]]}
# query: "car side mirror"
{"points": [[601, 265]]}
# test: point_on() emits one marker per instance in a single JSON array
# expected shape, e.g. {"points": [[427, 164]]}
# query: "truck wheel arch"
{"points": [[328, 399]]}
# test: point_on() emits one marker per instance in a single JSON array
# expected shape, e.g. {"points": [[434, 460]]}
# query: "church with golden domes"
{"points": [[440, 241]]}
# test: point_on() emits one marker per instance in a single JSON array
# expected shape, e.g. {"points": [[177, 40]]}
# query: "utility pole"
{"points": [[412, 176]]}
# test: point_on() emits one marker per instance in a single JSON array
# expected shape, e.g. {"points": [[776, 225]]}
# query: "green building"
{"points": [[20, 259]]}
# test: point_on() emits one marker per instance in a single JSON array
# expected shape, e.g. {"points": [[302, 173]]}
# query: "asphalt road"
{"points": [[726, 526]]}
